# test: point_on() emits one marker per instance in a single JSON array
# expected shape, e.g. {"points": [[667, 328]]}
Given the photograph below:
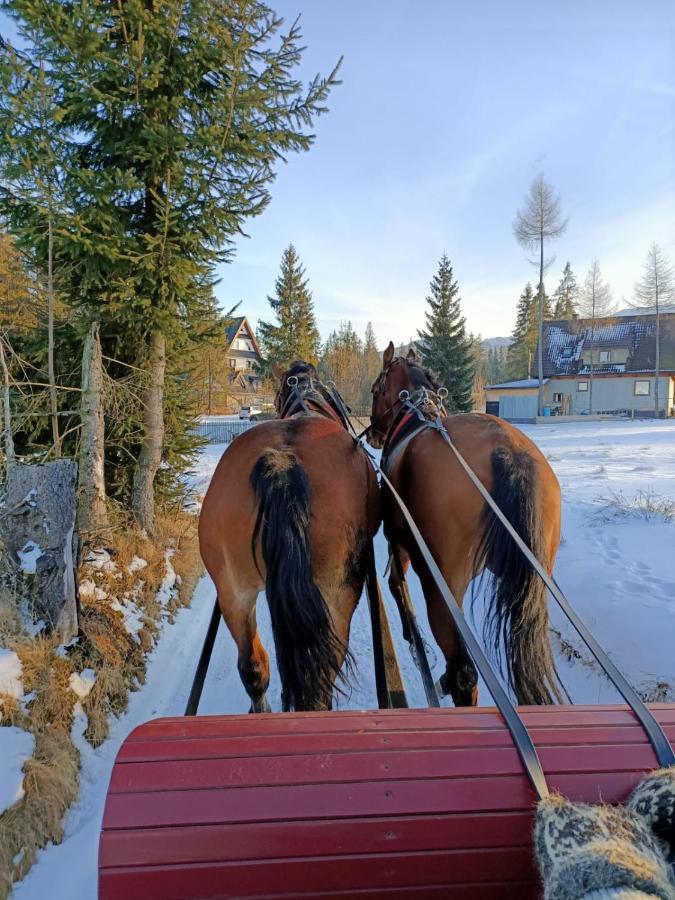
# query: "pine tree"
{"points": [[566, 295], [443, 344], [173, 118], [521, 353], [295, 334]]}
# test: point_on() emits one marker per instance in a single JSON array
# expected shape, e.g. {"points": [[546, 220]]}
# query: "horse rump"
{"points": [[517, 610], [307, 648]]}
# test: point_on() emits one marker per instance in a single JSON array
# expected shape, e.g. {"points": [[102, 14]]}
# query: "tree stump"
{"points": [[41, 542]]}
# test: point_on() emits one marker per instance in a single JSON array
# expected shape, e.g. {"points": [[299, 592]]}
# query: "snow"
{"points": [[169, 581], [137, 564], [16, 746], [10, 674], [99, 558], [617, 572], [132, 617], [28, 557], [82, 682], [88, 589]]}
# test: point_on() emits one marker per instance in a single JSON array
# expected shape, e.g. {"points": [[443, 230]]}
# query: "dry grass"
{"points": [[644, 505], [51, 775], [50, 780]]}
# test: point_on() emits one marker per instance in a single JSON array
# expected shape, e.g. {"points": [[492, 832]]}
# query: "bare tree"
{"points": [[539, 220], [656, 286], [595, 302]]}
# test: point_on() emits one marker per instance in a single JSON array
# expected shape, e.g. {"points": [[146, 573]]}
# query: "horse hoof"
{"points": [[260, 706]]}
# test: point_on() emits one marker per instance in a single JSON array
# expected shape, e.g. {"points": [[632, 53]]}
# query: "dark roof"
{"points": [[232, 330], [567, 344]]}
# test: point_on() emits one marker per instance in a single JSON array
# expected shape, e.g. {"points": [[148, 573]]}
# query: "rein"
{"points": [[426, 402]]}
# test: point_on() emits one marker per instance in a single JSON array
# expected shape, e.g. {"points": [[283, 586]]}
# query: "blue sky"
{"points": [[446, 112]]}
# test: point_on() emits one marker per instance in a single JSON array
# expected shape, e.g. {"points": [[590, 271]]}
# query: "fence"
{"points": [[222, 429]]}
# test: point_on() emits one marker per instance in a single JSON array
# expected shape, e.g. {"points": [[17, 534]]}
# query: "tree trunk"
{"points": [[150, 457], [92, 515], [540, 350], [590, 382], [10, 457], [657, 360], [50, 336]]}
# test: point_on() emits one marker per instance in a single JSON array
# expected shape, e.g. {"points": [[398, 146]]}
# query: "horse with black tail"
{"points": [[292, 509], [464, 535]]}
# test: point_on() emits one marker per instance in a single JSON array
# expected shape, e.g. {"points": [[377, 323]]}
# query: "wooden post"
{"points": [[92, 514]]}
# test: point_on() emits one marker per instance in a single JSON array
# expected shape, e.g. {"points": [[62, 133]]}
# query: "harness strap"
{"points": [[519, 733], [657, 738]]}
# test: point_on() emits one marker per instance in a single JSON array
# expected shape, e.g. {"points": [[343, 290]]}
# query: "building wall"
{"points": [[610, 393], [511, 392], [518, 407]]}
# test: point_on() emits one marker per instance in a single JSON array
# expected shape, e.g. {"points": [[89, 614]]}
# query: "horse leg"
{"points": [[252, 659], [399, 563], [460, 679]]}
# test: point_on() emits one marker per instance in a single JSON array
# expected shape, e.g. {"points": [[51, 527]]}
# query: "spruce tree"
{"points": [[521, 353], [173, 117], [444, 345], [294, 335], [566, 295]]}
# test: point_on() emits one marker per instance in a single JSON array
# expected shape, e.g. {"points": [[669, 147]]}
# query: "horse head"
{"points": [[299, 370], [399, 373]]}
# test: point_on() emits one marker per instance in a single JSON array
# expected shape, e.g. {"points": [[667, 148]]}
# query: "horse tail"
{"points": [[308, 650], [517, 609]]}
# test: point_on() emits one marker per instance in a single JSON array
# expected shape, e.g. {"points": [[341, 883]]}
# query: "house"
{"points": [[620, 351], [243, 356]]}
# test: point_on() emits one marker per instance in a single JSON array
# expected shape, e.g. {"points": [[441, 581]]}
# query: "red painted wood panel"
{"points": [[310, 875], [384, 766], [154, 846], [432, 719], [394, 803], [288, 744]]}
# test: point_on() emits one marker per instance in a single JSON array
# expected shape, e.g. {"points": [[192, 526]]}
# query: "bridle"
{"points": [[309, 396], [425, 400]]}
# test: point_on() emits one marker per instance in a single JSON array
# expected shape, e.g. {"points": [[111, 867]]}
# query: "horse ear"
{"points": [[278, 371], [412, 356], [388, 355]]}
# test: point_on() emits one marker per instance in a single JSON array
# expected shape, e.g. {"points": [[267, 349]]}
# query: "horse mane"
{"points": [[300, 367], [423, 377]]}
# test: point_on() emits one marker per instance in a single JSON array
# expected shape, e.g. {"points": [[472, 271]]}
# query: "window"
{"points": [[605, 356], [567, 353], [557, 398], [231, 362], [641, 389], [582, 386]]}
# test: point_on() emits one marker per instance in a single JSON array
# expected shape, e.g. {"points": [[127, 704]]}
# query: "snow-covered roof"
{"points": [[513, 385], [567, 344]]}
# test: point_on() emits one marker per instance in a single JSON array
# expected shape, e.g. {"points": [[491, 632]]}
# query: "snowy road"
{"points": [[619, 573]]}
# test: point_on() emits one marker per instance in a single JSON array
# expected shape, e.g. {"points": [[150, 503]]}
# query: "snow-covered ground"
{"points": [[618, 571]]}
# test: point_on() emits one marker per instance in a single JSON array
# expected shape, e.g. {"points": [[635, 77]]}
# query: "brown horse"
{"points": [[291, 509], [464, 536]]}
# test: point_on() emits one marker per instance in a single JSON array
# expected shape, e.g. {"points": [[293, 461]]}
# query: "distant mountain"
{"points": [[488, 343]]}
